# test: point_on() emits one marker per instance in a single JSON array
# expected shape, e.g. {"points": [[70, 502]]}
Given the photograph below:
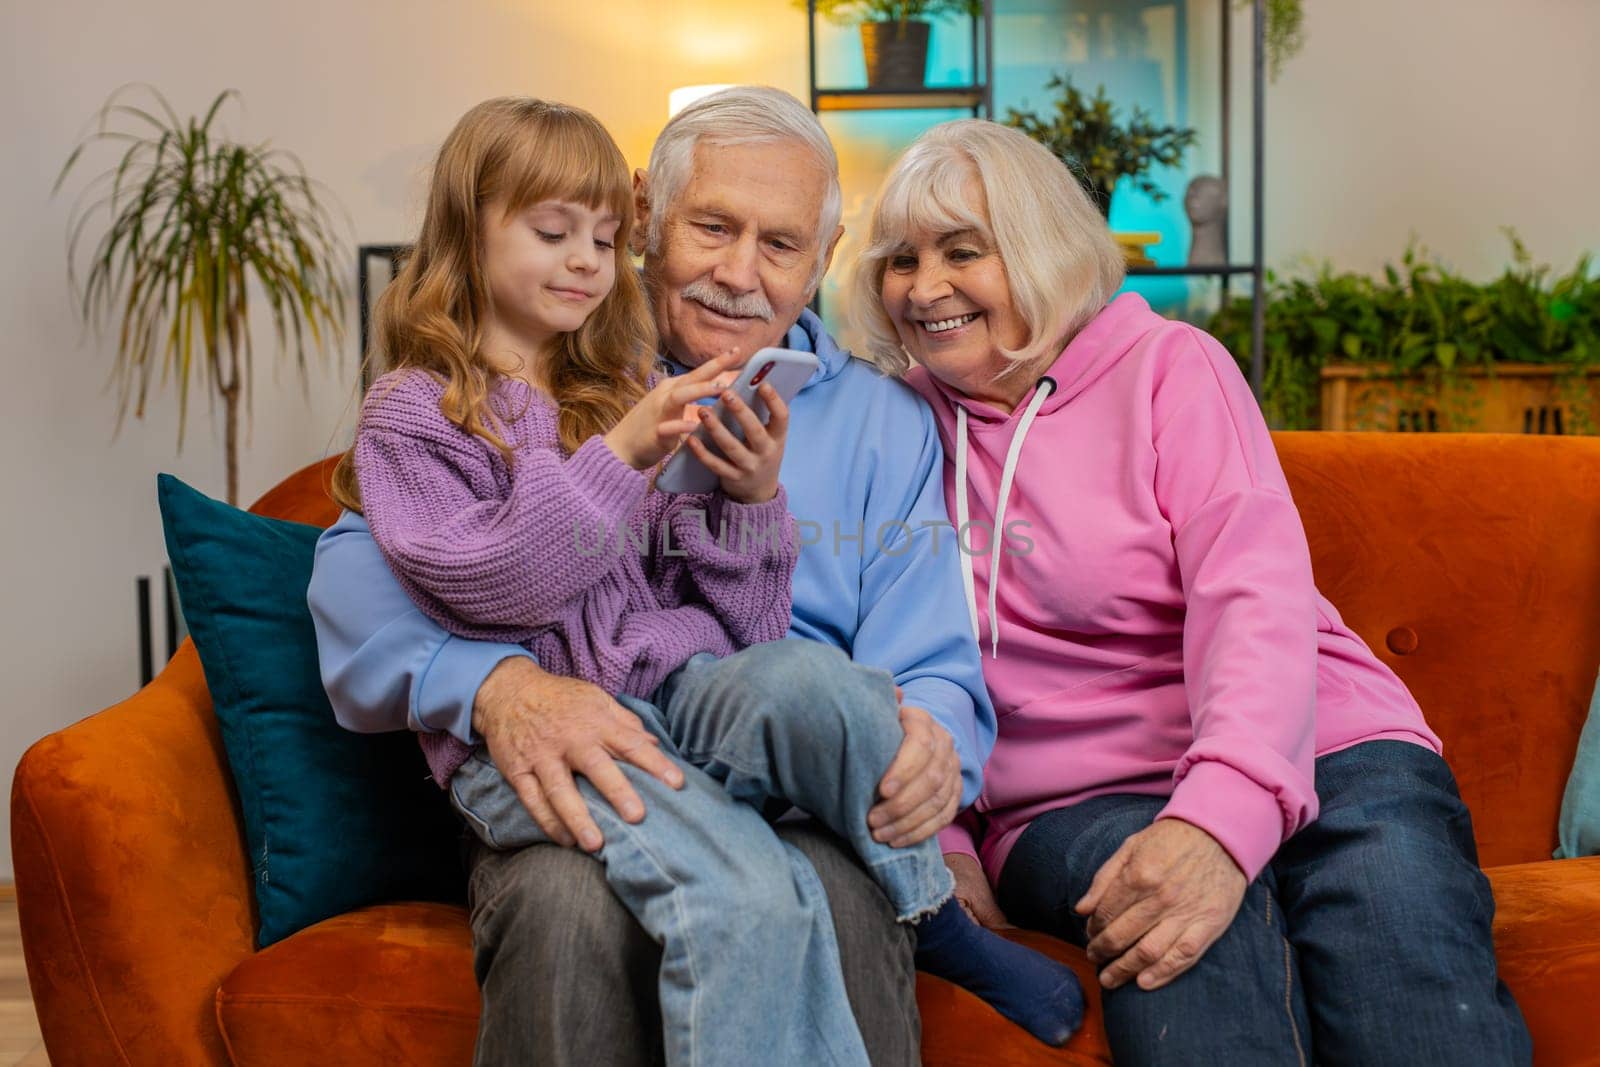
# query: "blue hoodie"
{"points": [[878, 575]]}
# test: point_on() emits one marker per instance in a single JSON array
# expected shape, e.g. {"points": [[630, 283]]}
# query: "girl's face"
{"points": [[548, 267], [950, 301]]}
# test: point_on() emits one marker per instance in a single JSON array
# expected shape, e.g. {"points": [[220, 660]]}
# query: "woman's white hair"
{"points": [[744, 114], [1061, 262]]}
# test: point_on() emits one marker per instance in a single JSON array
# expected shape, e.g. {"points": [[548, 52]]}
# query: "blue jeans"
{"points": [[750, 969], [1366, 940]]}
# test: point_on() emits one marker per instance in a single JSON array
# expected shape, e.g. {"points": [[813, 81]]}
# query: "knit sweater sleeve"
{"points": [[737, 558], [493, 551]]}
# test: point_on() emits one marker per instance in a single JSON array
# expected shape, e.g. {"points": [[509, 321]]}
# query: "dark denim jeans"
{"points": [[1365, 942]]}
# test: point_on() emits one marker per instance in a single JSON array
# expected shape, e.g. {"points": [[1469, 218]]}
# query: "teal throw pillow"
{"points": [[1579, 828], [334, 820]]}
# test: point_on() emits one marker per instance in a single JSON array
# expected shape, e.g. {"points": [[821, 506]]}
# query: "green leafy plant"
{"points": [[1088, 137], [1285, 31], [1418, 320], [849, 12], [197, 225]]}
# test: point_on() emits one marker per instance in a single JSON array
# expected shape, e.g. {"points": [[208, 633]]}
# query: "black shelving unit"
{"points": [[391, 255], [979, 98]]}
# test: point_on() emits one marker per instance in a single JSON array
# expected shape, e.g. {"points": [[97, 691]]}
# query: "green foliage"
{"points": [[1285, 31], [1418, 319], [849, 12], [1087, 136], [196, 225]]}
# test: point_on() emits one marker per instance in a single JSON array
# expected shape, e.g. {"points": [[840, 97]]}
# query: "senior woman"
{"points": [[1176, 701]]}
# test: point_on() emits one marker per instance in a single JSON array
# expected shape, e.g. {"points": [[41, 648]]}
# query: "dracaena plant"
{"points": [[1089, 136], [199, 232]]}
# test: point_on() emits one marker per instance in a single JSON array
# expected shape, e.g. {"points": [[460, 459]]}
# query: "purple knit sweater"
{"points": [[573, 557]]}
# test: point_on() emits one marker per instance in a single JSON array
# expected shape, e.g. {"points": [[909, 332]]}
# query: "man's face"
{"points": [[738, 249]]}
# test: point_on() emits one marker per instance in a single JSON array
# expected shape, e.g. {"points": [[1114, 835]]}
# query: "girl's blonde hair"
{"points": [[1061, 262], [516, 152]]}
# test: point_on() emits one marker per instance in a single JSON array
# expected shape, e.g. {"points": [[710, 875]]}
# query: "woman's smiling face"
{"points": [[949, 299]]}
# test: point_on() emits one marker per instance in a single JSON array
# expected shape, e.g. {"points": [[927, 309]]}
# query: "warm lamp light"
{"points": [[681, 98]]}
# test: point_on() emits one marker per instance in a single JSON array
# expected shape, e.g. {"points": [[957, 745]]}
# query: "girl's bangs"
{"points": [[570, 160]]}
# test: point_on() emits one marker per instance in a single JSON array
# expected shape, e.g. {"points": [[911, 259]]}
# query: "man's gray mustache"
{"points": [[718, 299]]}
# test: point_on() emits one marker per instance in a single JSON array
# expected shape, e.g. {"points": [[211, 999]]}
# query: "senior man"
{"points": [[739, 216]]}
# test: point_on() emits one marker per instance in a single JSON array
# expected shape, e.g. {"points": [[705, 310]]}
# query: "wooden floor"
{"points": [[19, 1030]]}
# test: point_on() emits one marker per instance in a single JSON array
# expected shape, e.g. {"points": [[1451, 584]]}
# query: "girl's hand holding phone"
{"points": [[749, 473], [654, 426]]}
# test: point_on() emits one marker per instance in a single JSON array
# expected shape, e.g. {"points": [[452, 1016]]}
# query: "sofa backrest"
{"points": [[1470, 563]]}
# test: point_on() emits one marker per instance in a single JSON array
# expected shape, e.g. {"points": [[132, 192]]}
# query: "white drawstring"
{"points": [[961, 519], [1041, 393]]}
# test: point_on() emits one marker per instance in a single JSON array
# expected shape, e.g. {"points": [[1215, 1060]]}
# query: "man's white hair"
{"points": [[744, 114]]}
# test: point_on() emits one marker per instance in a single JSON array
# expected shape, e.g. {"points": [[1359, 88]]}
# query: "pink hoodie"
{"points": [[1158, 628]]}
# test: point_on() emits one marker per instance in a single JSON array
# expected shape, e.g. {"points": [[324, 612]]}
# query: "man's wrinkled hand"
{"points": [[922, 787], [542, 729]]}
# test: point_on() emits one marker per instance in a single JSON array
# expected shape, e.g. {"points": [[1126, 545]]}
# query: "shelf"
{"points": [[948, 98], [1191, 272]]}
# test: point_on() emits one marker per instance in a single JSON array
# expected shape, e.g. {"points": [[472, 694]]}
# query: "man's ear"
{"points": [[641, 211], [827, 258]]}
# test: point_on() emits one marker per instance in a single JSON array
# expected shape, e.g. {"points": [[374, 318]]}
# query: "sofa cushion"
{"points": [[1468, 564], [333, 820], [394, 984], [386, 984], [1547, 944]]}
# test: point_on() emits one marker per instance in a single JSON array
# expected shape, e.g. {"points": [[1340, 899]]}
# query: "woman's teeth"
{"points": [[949, 324]]}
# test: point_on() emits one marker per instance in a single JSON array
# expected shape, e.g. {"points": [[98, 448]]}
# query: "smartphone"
{"points": [[785, 369]]}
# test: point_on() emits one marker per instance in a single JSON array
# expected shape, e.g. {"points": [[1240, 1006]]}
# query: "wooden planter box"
{"points": [[1511, 398]]}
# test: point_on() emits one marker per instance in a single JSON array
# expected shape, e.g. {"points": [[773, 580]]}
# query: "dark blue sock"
{"points": [[1033, 991]]}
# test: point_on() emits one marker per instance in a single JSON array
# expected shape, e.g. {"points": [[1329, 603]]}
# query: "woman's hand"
{"points": [[973, 891], [1159, 903], [654, 426], [748, 469]]}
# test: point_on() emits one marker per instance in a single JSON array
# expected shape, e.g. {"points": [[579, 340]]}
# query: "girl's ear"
{"points": [[641, 212]]}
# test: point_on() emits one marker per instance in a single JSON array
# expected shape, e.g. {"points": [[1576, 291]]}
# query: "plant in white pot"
{"points": [[197, 226], [894, 34]]}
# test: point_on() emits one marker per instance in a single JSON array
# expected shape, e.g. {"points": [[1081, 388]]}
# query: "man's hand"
{"points": [[922, 787], [1159, 903], [748, 469], [541, 729], [973, 891]]}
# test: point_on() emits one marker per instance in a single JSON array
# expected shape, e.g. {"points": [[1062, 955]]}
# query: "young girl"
{"points": [[503, 466]]}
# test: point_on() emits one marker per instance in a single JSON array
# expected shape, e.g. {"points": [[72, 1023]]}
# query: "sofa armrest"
{"points": [[1547, 942], [133, 888]]}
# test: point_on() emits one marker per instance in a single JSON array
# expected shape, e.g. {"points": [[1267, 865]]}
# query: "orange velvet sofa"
{"points": [[1471, 564]]}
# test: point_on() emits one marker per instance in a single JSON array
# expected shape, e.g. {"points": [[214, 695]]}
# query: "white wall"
{"points": [[1446, 119]]}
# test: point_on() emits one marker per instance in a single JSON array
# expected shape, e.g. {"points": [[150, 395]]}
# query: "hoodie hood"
{"points": [[810, 335], [1110, 335]]}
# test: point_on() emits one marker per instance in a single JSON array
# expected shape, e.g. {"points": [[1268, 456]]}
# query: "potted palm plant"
{"points": [[894, 34], [1088, 136], [199, 227]]}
